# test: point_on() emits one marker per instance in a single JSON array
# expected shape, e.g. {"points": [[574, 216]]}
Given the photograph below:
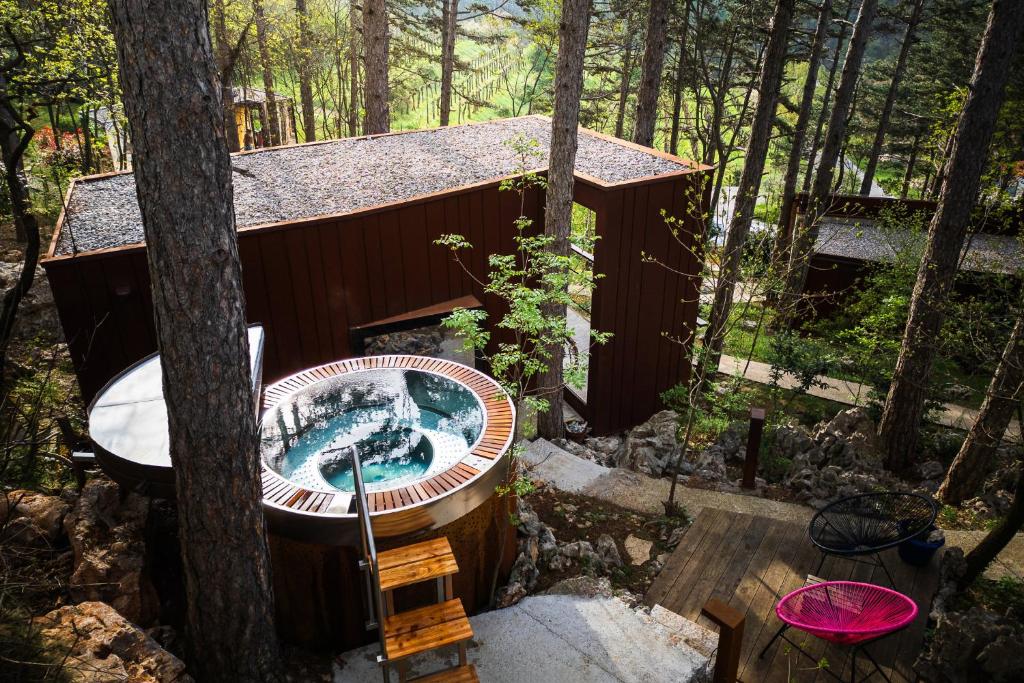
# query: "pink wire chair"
{"points": [[846, 613]]}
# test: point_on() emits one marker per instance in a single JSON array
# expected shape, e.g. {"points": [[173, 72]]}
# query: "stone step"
{"points": [[548, 463]]}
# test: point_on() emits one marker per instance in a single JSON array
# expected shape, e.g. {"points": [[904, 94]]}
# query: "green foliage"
{"points": [[533, 285], [793, 355]]}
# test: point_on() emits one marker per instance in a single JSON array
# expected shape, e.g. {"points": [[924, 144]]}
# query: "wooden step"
{"points": [[425, 628], [460, 674], [411, 564]]}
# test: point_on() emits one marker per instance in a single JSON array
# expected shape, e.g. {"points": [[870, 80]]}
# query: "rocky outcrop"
{"points": [[972, 645], [99, 645], [538, 549], [32, 518], [653, 446], [106, 533]]}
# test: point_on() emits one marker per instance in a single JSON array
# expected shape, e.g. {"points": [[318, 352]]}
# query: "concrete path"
{"points": [[852, 393], [563, 638], [634, 491]]}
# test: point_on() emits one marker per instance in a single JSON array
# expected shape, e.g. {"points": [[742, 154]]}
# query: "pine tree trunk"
{"points": [[783, 236], [769, 81], [972, 463], [911, 162], [353, 68], [650, 74], [449, 17], [819, 126], [997, 539], [677, 99], [890, 98], [226, 67], [835, 134], [375, 46], [904, 406], [305, 75], [199, 307], [15, 134], [273, 122], [627, 73], [565, 120]]}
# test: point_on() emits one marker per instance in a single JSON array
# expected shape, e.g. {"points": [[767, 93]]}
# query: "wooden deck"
{"points": [[750, 562]]}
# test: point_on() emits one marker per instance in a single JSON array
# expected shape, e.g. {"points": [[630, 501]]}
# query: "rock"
{"points": [[107, 536], [103, 646], [510, 595], [932, 469], [637, 549], [32, 518], [529, 521], [524, 572], [582, 552], [748, 324], [651, 446], [608, 552], [676, 536]]}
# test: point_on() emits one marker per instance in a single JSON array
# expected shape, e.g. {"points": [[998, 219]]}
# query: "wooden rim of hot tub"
{"points": [[499, 426]]}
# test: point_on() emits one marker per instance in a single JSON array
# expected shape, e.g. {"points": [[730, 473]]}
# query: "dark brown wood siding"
{"points": [[310, 282]]}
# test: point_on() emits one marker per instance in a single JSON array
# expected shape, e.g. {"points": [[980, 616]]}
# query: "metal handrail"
{"points": [[368, 560]]}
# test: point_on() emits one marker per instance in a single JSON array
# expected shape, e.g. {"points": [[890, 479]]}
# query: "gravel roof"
{"points": [[343, 176], [862, 239]]}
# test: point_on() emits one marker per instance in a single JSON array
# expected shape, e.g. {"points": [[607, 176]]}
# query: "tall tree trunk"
{"points": [[783, 236], [997, 539], [904, 406], [226, 67], [650, 74], [972, 463], [565, 121], [375, 46], [911, 162], [769, 81], [305, 72], [273, 120], [199, 309], [835, 134], [627, 74], [819, 126], [890, 98], [677, 98], [449, 19], [353, 68], [15, 134]]}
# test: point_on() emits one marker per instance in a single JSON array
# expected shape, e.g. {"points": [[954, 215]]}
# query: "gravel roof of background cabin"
{"points": [[343, 176], [863, 240]]}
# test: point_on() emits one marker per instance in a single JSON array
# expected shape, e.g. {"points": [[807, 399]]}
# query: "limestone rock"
{"points": [[932, 469], [103, 646], [651, 446], [32, 518], [676, 536], [638, 549], [608, 552], [510, 595], [107, 536]]}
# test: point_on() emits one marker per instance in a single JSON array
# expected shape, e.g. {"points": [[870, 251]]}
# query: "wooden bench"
{"points": [[411, 320]]}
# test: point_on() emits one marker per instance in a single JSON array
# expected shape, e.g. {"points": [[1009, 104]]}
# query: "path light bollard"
{"points": [[753, 447]]}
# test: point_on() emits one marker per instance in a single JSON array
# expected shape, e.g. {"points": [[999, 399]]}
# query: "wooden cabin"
{"points": [[337, 237]]}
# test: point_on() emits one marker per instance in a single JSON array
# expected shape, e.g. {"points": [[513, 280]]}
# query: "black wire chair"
{"points": [[867, 524]]}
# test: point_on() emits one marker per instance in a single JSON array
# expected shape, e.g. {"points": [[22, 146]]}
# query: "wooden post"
{"points": [[730, 639], [753, 446]]}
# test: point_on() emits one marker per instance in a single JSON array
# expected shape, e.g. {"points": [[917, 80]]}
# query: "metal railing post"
{"points": [[368, 561]]}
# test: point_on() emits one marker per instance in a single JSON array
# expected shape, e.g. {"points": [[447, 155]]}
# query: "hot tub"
{"points": [[432, 437]]}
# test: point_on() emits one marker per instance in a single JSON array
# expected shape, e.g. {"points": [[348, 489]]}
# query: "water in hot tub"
{"points": [[398, 439]]}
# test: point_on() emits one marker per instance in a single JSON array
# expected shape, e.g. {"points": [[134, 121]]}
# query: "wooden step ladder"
{"points": [[405, 634]]}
